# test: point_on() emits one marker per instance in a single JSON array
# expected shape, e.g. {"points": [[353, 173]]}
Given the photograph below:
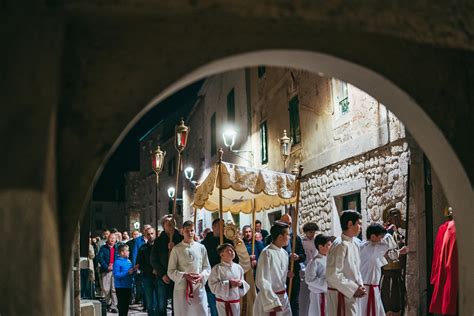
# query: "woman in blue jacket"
{"points": [[123, 271]]}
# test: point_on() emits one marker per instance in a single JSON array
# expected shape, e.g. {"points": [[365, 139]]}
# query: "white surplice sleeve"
{"points": [[264, 282], [173, 271], [313, 271], [218, 286], [245, 286], [206, 267], [334, 271]]}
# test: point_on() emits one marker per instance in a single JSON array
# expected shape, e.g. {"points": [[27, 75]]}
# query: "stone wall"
{"points": [[380, 175]]}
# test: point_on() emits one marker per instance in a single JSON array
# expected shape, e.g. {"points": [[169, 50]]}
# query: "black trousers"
{"points": [[295, 293], [123, 298]]}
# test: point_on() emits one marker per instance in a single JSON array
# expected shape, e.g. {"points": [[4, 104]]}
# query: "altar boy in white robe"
{"points": [[227, 282], [315, 276], [374, 251], [272, 272], [345, 284], [189, 268]]}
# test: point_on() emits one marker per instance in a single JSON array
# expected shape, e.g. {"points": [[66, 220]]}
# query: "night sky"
{"points": [[110, 186]]}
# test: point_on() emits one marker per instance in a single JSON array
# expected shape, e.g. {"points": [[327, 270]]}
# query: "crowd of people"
{"points": [[202, 276]]}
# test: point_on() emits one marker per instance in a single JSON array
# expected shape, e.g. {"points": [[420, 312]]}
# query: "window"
{"points": [[213, 135], [231, 107], [261, 71], [264, 142], [341, 97], [171, 167], [295, 130]]}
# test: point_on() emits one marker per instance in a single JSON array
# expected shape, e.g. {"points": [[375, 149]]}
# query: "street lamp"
{"points": [[171, 192], [157, 159], [229, 136], [189, 173], [285, 148]]}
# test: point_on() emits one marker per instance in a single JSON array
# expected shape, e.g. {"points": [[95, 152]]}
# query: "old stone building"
{"points": [[355, 153], [79, 74]]}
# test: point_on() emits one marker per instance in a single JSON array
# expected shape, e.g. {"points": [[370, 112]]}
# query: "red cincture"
{"points": [[277, 293], [341, 304], [322, 304], [228, 308], [371, 299], [189, 292]]}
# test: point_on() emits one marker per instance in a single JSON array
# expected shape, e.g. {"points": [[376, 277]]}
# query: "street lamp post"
{"points": [[189, 173], [157, 159], [229, 141]]}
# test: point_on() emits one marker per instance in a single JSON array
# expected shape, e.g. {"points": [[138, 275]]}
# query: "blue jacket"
{"points": [[138, 242], [121, 277], [258, 247], [104, 257]]}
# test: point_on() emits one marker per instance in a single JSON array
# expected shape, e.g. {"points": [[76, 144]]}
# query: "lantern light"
{"points": [[189, 173], [157, 159], [171, 192], [285, 146], [229, 138], [181, 136]]}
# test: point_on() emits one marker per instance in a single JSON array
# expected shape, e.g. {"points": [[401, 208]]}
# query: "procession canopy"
{"points": [[243, 186]]}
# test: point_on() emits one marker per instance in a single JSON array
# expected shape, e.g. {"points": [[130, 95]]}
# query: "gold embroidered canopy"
{"points": [[242, 186]]}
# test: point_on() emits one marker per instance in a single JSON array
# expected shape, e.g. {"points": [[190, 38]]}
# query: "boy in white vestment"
{"points": [[272, 272], [345, 284], [315, 277], [227, 282], [189, 268], [373, 252]]}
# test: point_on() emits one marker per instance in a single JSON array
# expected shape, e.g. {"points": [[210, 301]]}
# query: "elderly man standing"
{"points": [[106, 257]]}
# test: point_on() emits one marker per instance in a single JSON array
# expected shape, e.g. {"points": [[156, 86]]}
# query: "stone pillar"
{"points": [[416, 260], [31, 271]]}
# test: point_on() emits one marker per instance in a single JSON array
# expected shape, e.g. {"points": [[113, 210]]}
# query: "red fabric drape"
{"points": [[445, 276], [437, 253]]}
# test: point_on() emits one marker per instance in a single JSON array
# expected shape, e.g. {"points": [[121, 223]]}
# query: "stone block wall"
{"points": [[380, 175]]}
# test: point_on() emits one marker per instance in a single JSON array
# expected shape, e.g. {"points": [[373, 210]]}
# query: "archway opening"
{"points": [[454, 180]]}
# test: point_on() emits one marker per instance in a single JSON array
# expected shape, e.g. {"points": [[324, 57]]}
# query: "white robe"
{"points": [[186, 258], [343, 274], [272, 269], [304, 297], [371, 270], [219, 284], [315, 277]]}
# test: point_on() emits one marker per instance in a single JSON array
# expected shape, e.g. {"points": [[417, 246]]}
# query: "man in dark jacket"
{"points": [[106, 258], [299, 256], [159, 261], [211, 242], [146, 269]]}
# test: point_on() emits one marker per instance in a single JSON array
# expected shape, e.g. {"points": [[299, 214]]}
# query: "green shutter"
{"points": [[295, 130]]}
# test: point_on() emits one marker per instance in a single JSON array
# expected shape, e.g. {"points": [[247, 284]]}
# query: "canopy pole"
{"points": [[195, 218], [253, 227], [295, 225], [221, 215], [176, 190]]}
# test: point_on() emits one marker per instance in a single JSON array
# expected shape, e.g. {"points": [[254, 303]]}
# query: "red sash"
{"points": [[322, 304], [371, 299], [277, 293], [341, 304], [228, 309], [189, 292]]}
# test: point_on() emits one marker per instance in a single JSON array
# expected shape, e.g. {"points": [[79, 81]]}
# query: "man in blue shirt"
{"points": [[137, 287]]}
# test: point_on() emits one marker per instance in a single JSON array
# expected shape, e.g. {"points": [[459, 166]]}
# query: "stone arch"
{"points": [[454, 179]]}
